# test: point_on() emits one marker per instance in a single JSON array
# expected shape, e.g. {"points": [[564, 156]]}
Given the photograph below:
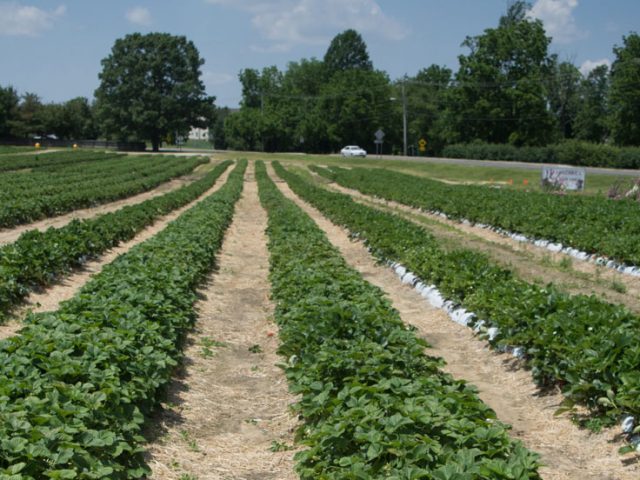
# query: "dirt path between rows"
{"points": [[11, 235], [50, 298], [567, 451], [227, 414], [530, 262]]}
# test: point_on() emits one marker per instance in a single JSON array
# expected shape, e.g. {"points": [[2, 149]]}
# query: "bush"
{"points": [[570, 152]]}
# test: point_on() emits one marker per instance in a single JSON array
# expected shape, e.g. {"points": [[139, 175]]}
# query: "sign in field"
{"points": [[563, 178]]}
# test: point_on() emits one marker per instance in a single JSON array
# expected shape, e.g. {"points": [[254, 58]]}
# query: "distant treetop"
{"points": [[347, 51]]}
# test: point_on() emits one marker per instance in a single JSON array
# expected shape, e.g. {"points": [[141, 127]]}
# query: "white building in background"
{"points": [[199, 134]]}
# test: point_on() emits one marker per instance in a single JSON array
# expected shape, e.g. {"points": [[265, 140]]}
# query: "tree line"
{"points": [[507, 90]]}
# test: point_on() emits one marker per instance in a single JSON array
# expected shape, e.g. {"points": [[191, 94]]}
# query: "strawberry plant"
{"points": [[77, 384], [39, 258], [374, 404], [580, 343], [594, 225], [49, 191]]}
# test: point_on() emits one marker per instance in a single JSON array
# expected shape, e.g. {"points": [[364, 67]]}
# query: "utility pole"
{"points": [[404, 119]]}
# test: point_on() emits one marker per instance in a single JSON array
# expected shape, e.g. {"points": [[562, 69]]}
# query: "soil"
{"points": [[531, 263], [567, 451], [50, 298], [227, 415], [11, 235]]}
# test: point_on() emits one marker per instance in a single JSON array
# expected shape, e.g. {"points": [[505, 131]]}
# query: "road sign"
{"points": [[379, 134], [377, 142]]}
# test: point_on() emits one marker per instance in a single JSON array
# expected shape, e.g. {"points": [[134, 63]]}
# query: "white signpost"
{"points": [[563, 178]]}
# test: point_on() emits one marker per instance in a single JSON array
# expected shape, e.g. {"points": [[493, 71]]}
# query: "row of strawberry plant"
{"points": [[38, 258], [54, 159], [77, 385], [581, 343], [374, 404], [51, 181], [591, 224], [50, 178], [47, 194]]}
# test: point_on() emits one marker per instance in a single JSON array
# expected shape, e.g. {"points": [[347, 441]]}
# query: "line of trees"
{"points": [[26, 116], [508, 90]]}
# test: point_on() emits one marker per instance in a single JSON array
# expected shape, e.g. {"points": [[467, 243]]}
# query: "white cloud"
{"points": [[139, 16], [557, 16], [216, 78], [286, 23], [589, 65], [18, 19]]}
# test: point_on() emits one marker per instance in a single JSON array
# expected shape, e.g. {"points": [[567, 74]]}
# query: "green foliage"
{"points": [[38, 258], [592, 120], [347, 51], [59, 188], [500, 95], [571, 152], [625, 91], [9, 101], [426, 95], [53, 159], [29, 117], [310, 108], [77, 384], [579, 343], [591, 224], [150, 87], [374, 405], [564, 96]]}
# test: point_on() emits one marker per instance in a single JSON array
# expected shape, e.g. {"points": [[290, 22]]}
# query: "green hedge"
{"points": [[570, 152]]}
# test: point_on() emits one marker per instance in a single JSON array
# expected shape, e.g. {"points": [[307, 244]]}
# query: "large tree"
{"points": [[426, 96], [500, 95], [9, 101], [625, 91], [347, 51], [592, 119], [150, 87], [564, 96], [30, 118]]}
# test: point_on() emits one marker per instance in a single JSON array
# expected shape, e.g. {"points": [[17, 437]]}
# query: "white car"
{"points": [[353, 151]]}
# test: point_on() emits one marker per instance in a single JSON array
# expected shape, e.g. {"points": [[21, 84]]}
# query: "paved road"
{"points": [[460, 161], [504, 164]]}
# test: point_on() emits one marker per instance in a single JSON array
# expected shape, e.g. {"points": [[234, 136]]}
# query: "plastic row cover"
{"points": [[465, 318], [553, 247], [458, 314]]}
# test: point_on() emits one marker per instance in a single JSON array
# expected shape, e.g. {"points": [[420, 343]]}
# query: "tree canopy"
{"points": [[150, 87], [347, 51], [500, 95], [625, 91]]}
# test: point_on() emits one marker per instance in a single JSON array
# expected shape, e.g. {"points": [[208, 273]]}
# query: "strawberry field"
{"points": [[591, 224], [129, 376]]}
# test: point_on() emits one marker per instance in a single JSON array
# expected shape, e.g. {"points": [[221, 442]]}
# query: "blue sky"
{"points": [[53, 47]]}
